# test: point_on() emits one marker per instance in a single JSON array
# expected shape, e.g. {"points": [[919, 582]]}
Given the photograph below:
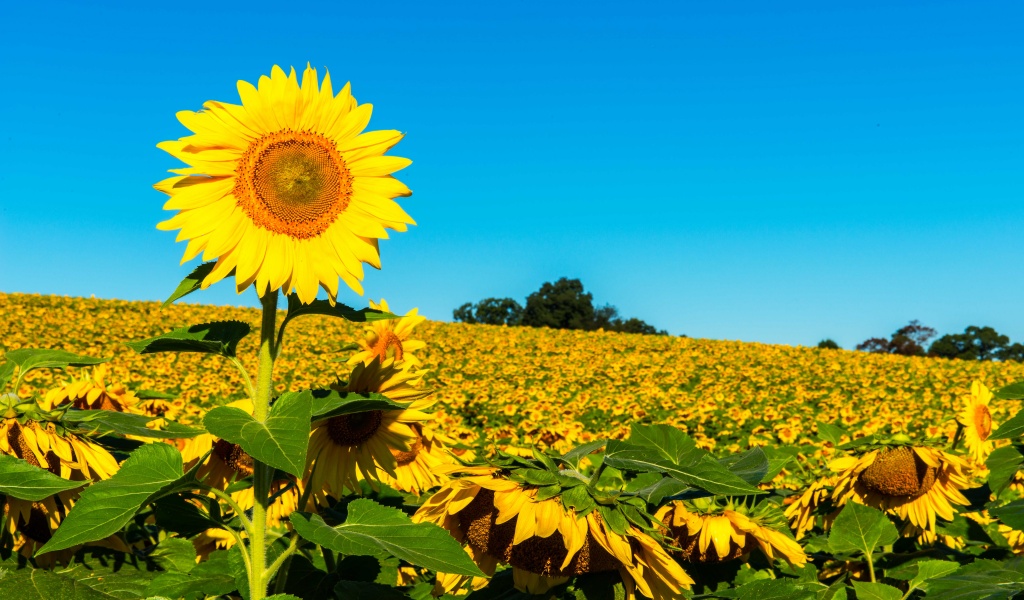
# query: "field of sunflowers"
{"points": [[567, 464]]}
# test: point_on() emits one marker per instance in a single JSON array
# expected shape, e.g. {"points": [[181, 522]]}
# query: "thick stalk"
{"points": [[262, 473]]}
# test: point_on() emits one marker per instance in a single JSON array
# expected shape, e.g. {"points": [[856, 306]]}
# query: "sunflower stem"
{"points": [[871, 566], [957, 436], [262, 474], [249, 389]]}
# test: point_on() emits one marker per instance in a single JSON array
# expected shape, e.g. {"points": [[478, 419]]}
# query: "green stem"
{"points": [[284, 558], [262, 474], [871, 566], [249, 389], [328, 560], [957, 436], [227, 499]]}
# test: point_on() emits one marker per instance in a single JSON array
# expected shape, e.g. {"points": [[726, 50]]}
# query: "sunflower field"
{"points": [[315, 450]]}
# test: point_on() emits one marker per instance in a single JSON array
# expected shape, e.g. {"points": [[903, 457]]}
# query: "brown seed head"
{"points": [[897, 473]]}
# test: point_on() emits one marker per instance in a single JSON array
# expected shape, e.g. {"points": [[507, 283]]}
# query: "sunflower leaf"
{"points": [[192, 282], [322, 307], [867, 590], [861, 528], [671, 443], [1014, 391], [1011, 428], [577, 454], [329, 403], [28, 359], [706, 473], [1002, 465], [751, 466], [212, 577], [1011, 514], [281, 441], [103, 422], [40, 584], [106, 506], [25, 481], [381, 531], [218, 337]]}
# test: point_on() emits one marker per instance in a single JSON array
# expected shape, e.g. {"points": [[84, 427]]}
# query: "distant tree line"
{"points": [[975, 343], [559, 305]]}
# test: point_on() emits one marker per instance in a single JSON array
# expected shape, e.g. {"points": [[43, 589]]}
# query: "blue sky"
{"points": [[775, 172]]}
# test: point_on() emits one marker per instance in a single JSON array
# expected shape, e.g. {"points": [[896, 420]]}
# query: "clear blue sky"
{"points": [[776, 172]]}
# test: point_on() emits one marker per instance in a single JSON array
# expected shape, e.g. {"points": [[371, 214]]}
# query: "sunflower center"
{"points": [[293, 182], [352, 430], [983, 421], [234, 457], [899, 472], [405, 457], [387, 341]]}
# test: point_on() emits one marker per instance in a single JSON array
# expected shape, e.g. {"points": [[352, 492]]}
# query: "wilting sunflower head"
{"points": [[914, 482], [543, 540], [50, 447], [977, 422], [390, 338], [93, 393], [709, 532], [285, 189]]}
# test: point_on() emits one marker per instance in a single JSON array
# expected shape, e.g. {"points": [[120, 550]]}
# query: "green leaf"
{"points": [[375, 530], [20, 479], [175, 554], [281, 442], [212, 577], [1003, 464], [106, 506], [105, 422], [191, 283], [28, 359], [6, 372], [322, 307], [1014, 391], [876, 591], [218, 337], [770, 589], [670, 443], [329, 403], [363, 590], [661, 489], [830, 433], [861, 528], [40, 584], [706, 474], [105, 571], [751, 466], [931, 569], [577, 454], [1011, 514], [1011, 428], [174, 514], [980, 580]]}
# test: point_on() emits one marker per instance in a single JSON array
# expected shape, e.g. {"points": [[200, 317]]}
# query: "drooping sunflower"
{"points": [[345, 448], [977, 422], [502, 521], [285, 189], [708, 533], [802, 512], [916, 483], [92, 393], [390, 338], [419, 468]]}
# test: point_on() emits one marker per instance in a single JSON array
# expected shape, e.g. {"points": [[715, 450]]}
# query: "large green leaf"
{"points": [[669, 442], [106, 506], [861, 528], [329, 403], [192, 282], [280, 442], [1002, 465], [210, 578], [1011, 514], [218, 337], [867, 590], [751, 466], [1014, 391], [40, 584], [830, 433], [374, 530], [980, 580], [104, 422], [37, 358], [322, 307], [1012, 428], [21, 480], [770, 589], [706, 474], [175, 554], [575, 456]]}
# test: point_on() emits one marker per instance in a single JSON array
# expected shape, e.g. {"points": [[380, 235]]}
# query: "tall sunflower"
{"points": [[502, 521], [916, 483], [390, 338], [349, 447], [285, 189], [707, 533], [977, 422]]}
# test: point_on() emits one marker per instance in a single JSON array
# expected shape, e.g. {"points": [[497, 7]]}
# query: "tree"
{"points": [[908, 340], [490, 311], [976, 343], [828, 344], [560, 305]]}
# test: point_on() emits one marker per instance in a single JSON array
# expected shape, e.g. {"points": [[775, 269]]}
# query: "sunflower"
{"points": [[389, 338], [418, 469], [353, 446], [502, 521], [285, 189], [92, 393], [916, 483], [977, 422], [708, 533]]}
